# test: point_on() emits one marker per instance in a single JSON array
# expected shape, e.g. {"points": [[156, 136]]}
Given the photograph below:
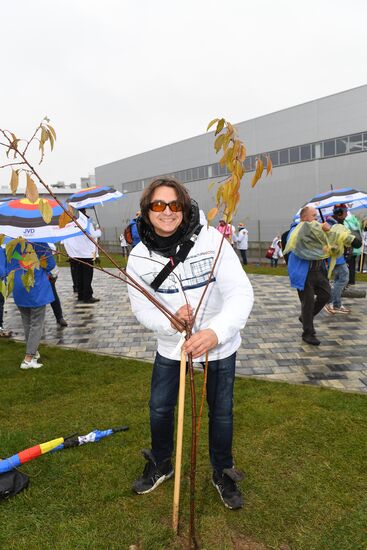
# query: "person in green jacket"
{"points": [[354, 224]]}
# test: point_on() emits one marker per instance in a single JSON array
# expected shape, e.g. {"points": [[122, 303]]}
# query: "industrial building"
{"points": [[313, 146]]}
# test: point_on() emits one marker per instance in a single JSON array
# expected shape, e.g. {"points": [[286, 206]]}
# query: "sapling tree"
{"points": [[19, 153]]}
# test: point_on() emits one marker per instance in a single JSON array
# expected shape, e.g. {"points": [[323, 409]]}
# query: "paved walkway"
{"points": [[272, 347]]}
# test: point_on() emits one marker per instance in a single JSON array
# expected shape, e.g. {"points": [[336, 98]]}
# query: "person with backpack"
{"points": [[131, 232], [176, 255], [277, 245]]}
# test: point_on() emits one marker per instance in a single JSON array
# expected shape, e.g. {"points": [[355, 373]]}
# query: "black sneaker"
{"points": [[225, 484], [154, 474], [311, 339], [313, 333]]}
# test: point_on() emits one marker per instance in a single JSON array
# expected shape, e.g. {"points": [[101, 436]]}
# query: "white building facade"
{"points": [[313, 146]]}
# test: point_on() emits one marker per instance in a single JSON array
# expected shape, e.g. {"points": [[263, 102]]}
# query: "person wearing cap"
{"points": [[341, 270], [242, 242]]}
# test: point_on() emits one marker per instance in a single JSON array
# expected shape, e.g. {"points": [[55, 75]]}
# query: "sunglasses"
{"points": [[160, 206]]}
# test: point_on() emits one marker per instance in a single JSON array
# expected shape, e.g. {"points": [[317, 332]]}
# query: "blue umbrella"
{"points": [[54, 445], [23, 218], [324, 202], [93, 196]]}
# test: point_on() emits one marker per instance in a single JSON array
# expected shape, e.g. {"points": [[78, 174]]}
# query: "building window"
{"points": [[274, 155], [355, 143], [305, 152], [284, 156], [203, 172], [215, 170], [329, 148], [294, 154], [248, 163], [342, 145], [316, 150]]}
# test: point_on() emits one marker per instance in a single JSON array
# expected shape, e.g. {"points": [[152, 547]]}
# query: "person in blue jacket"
{"points": [[134, 229], [32, 303], [310, 279]]}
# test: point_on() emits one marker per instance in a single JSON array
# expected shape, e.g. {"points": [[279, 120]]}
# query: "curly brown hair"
{"points": [[183, 196]]}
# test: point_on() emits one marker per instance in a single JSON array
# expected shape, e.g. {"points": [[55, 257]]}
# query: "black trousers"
{"points": [[352, 269], [56, 304], [74, 273], [84, 278], [243, 256], [316, 284]]}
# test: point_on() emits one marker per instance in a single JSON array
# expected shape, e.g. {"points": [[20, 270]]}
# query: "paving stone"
{"points": [[272, 348]]}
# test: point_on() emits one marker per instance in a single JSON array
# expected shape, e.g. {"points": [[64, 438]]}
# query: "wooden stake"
{"points": [[180, 422]]}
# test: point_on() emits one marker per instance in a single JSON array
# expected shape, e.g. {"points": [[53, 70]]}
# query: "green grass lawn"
{"points": [[303, 450]]}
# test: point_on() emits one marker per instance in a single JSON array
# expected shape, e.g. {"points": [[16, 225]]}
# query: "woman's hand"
{"points": [[201, 342], [185, 314]]}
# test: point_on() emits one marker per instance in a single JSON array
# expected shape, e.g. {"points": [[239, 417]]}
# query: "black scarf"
{"points": [[167, 246]]}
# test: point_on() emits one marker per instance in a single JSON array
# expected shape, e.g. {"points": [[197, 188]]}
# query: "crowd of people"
{"points": [[172, 254]]}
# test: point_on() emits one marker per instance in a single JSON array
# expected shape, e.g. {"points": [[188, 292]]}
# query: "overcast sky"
{"points": [[119, 77]]}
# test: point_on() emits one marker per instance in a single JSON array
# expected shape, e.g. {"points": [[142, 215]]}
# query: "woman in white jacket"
{"points": [[169, 220]]}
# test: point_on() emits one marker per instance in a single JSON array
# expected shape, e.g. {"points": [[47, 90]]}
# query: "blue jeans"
{"points": [[341, 278], [163, 399]]}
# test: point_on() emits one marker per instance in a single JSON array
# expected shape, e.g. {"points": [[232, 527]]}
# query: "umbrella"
{"points": [[22, 218], [55, 445], [4, 200], [325, 202], [92, 196]]}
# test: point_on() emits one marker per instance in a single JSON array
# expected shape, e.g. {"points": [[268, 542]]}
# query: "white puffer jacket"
{"points": [[226, 305]]}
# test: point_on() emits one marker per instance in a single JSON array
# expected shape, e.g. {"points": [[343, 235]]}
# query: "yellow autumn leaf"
{"points": [[269, 167], [212, 213], [220, 126], [31, 190], [3, 289], [64, 219], [254, 180], [219, 142], [10, 282], [52, 131], [242, 155], [211, 123], [45, 209], [219, 194], [44, 137], [51, 138], [14, 181], [230, 128], [43, 262]]}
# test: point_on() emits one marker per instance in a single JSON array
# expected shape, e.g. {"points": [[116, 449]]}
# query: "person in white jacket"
{"points": [[82, 248], [242, 242], [169, 220]]}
